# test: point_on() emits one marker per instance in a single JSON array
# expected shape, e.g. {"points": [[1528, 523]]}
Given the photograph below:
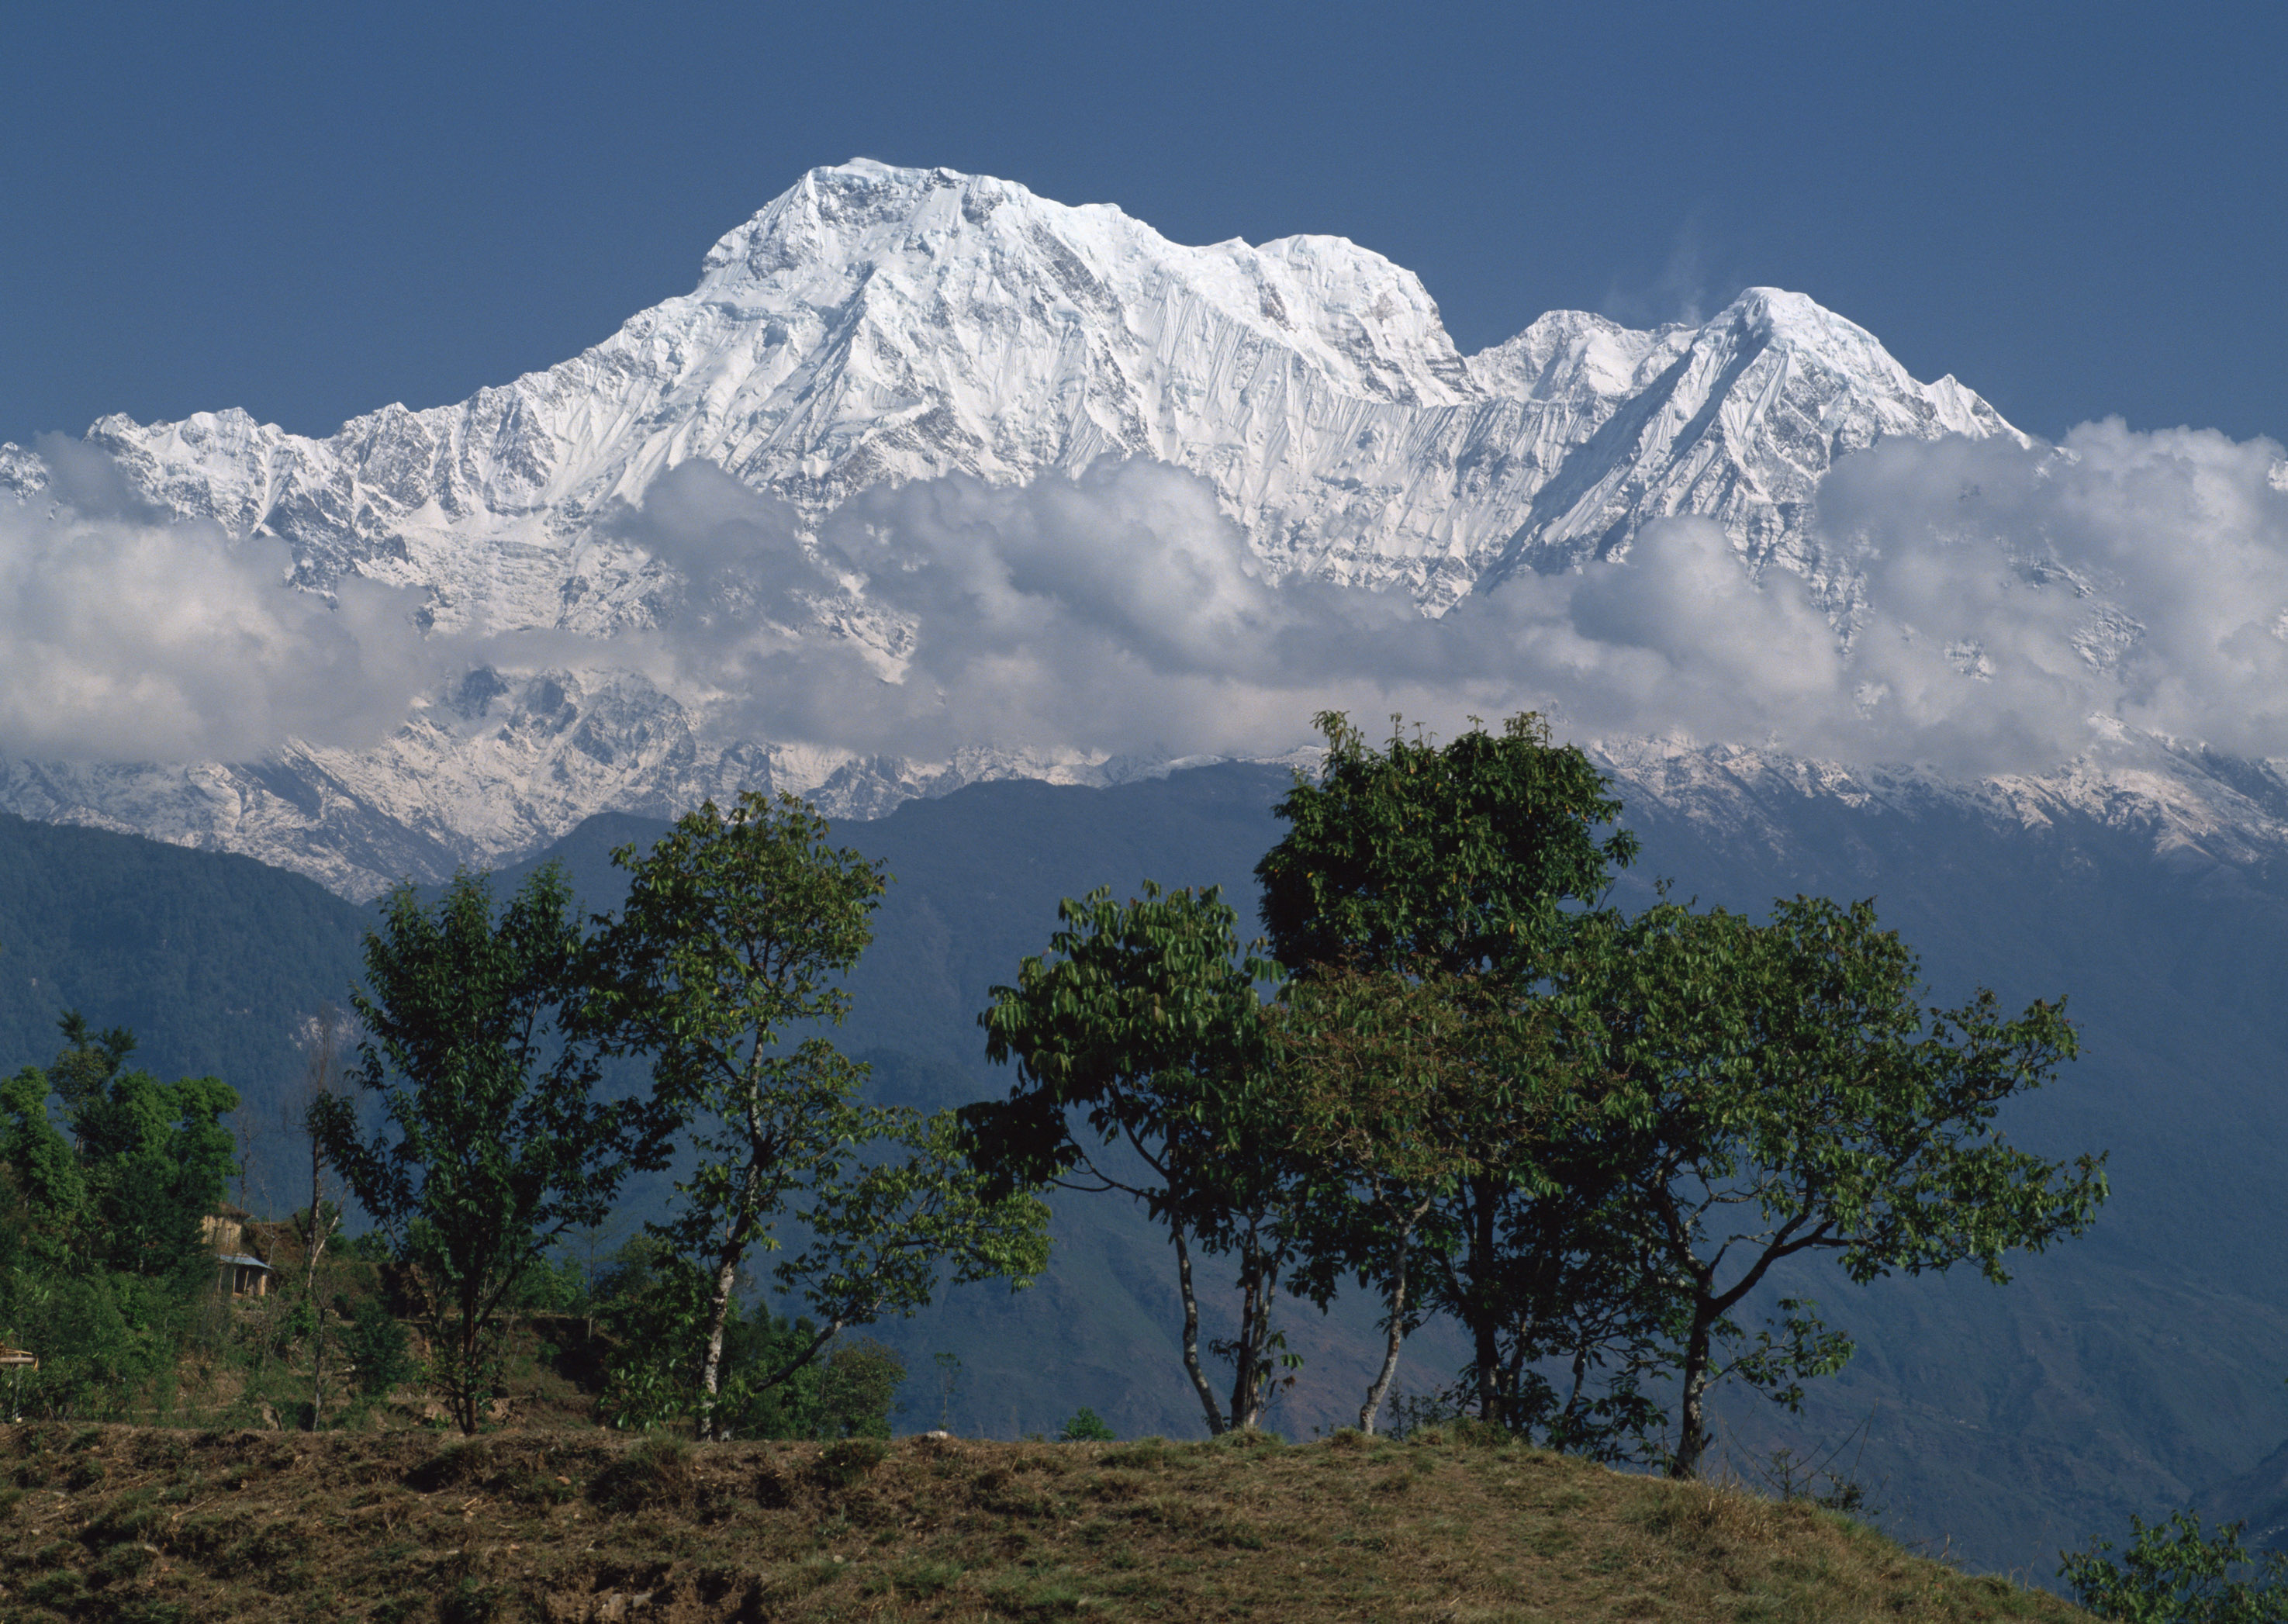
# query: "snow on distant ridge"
{"points": [[876, 326]]}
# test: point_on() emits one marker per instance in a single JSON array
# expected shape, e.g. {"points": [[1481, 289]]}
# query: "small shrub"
{"points": [[1087, 1427], [376, 1345], [2171, 1571]]}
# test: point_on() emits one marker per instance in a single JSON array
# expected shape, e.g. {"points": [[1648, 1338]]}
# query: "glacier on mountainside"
{"points": [[875, 326]]}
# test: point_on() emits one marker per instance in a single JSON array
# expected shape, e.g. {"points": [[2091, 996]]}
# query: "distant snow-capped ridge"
{"points": [[878, 326]]}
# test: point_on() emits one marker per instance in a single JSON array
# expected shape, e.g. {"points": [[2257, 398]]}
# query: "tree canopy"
{"points": [[1459, 857], [493, 1142], [103, 1245], [1431, 888], [1145, 1022], [1776, 1090], [737, 928]]}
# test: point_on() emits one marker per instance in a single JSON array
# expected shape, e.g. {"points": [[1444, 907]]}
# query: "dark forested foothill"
{"points": [[1566, 1154]]}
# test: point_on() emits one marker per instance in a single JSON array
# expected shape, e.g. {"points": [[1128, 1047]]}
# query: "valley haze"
{"points": [[932, 481]]}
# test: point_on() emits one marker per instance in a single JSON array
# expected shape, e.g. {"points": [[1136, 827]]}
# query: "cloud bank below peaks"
{"points": [[124, 636], [1975, 607]]}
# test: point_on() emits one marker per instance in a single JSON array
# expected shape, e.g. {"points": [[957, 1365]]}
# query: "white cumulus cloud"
{"points": [[124, 636], [1983, 604], [1981, 607]]}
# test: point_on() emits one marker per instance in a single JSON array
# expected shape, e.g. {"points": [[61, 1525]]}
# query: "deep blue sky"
{"points": [[313, 211]]}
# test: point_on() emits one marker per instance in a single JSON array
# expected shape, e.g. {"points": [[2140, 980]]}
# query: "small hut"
{"points": [[243, 1276]]}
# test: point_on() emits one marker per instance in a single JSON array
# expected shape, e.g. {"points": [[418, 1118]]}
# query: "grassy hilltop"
{"points": [[136, 1525]]}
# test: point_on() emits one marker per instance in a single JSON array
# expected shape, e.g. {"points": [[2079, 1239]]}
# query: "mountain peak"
{"points": [[874, 325]]}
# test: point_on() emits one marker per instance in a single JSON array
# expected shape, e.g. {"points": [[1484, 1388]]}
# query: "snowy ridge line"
{"points": [[873, 327]]}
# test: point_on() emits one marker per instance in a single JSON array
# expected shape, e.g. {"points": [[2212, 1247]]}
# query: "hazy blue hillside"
{"points": [[2127, 1370], [2130, 1370], [2122, 1371], [214, 961]]}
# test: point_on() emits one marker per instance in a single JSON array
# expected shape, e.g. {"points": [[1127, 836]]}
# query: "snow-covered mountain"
{"points": [[874, 325]]}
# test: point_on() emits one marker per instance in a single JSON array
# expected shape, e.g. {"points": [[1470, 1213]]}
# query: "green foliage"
{"points": [[551, 1286], [376, 1345], [102, 1253], [1418, 898], [2173, 1573], [369, 1247], [1457, 857], [1147, 1026], [1779, 1089], [1453, 1178], [737, 926], [494, 1144], [1087, 1427], [775, 1379]]}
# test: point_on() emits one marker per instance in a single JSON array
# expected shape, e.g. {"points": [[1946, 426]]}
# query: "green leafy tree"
{"points": [[1418, 900], [1463, 858], [1407, 1091], [376, 1345], [737, 928], [104, 1248], [1147, 1026], [2174, 1573], [1087, 1427], [1781, 1091], [492, 1143], [1380, 1075]]}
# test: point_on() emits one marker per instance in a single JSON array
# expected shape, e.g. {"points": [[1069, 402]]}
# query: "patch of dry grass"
{"points": [[149, 1526]]}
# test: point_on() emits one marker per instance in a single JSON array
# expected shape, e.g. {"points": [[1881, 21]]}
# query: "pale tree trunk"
{"points": [[1192, 1334], [1394, 1328], [1692, 1416], [738, 1235], [711, 1368], [321, 1232], [1246, 1382], [727, 1258], [1251, 1387]]}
